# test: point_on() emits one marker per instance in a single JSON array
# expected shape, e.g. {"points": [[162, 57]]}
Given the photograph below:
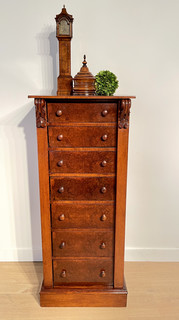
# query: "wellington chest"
{"points": [[82, 152]]}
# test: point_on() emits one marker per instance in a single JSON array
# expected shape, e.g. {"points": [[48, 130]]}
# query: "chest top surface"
{"points": [[82, 97]]}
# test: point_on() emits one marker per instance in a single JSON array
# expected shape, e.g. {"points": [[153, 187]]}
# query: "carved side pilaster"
{"points": [[41, 121], [123, 113]]}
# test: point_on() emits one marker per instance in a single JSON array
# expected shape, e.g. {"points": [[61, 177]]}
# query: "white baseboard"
{"points": [[152, 254], [21, 254], [131, 254]]}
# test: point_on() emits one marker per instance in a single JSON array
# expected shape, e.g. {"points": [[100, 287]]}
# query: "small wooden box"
{"points": [[82, 151]]}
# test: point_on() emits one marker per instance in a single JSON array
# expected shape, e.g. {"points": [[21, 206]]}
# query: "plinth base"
{"points": [[83, 297]]}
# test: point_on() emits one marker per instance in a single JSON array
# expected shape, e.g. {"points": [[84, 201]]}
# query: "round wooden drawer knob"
{"points": [[59, 113], [62, 245], [61, 217], [63, 274], [104, 137], [60, 137], [60, 163], [103, 217], [103, 190], [104, 163], [61, 190], [103, 273], [104, 113], [103, 245]]}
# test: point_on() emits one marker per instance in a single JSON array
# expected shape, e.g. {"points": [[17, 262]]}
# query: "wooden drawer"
{"points": [[81, 112], [82, 272], [82, 215], [82, 161], [82, 188], [82, 136], [94, 243]]}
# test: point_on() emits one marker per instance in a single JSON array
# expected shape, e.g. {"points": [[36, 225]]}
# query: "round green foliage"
{"points": [[106, 83]]}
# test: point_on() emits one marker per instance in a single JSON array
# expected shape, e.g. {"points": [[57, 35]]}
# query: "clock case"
{"points": [[64, 81]]}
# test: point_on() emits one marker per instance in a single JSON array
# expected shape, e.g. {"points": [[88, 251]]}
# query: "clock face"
{"points": [[64, 28]]}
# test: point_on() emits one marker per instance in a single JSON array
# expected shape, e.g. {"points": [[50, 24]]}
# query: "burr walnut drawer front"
{"points": [[83, 271], [82, 161], [81, 112], [82, 188], [84, 243], [82, 215], [82, 136]]}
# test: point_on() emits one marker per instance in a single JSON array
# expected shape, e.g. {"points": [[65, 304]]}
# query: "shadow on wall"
{"points": [[20, 183], [19, 179], [47, 49], [29, 127]]}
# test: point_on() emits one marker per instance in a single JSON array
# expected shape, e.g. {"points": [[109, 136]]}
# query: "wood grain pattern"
{"points": [[82, 162], [80, 112], [87, 243], [83, 297], [82, 136], [82, 215], [85, 173], [45, 206], [149, 284], [84, 81], [121, 183], [83, 272], [82, 188], [64, 81], [82, 98]]}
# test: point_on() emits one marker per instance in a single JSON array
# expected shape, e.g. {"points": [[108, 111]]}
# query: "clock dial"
{"points": [[64, 27]]}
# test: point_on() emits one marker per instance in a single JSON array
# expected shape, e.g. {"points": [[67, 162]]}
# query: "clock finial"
{"points": [[64, 11]]}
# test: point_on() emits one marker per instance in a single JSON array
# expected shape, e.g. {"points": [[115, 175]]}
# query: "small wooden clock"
{"points": [[64, 23]]}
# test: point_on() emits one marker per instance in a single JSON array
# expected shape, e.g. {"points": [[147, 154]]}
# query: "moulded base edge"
{"points": [[83, 297]]}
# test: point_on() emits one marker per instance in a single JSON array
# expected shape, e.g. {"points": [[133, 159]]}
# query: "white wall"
{"points": [[138, 41]]}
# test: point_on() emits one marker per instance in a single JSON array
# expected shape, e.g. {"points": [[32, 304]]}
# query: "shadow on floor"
{"points": [[33, 272]]}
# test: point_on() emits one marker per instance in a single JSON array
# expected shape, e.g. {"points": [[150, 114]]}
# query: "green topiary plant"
{"points": [[106, 83]]}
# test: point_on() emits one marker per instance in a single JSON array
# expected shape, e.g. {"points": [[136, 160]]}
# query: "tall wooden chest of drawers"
{"points": [[82, 151]]}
